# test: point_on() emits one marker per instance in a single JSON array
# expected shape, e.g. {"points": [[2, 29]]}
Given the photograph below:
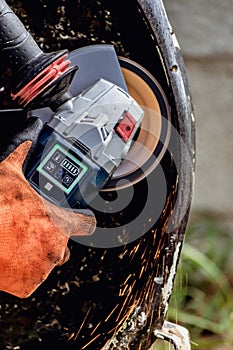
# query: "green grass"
{"points": [[202, 298]]}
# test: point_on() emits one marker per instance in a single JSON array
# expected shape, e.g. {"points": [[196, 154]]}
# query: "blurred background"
{"points": [[203, 297]]}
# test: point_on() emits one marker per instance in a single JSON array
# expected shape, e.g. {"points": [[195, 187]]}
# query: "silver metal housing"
{"points": [[90, 121]]}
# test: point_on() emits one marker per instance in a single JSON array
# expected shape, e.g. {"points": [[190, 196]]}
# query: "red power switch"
{"points": [[125, 126]]}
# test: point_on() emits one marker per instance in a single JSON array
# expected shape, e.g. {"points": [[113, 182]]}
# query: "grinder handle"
{"points": [[38, 79], [17, 47]]}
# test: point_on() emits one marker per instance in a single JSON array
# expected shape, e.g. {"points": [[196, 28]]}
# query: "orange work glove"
{"points": [[33, 232]]}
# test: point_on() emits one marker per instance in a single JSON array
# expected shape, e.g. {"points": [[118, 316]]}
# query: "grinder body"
{"points": [[83, 143]]}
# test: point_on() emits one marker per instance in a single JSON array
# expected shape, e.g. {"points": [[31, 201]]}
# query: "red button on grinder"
{"points": [[125, 126]]}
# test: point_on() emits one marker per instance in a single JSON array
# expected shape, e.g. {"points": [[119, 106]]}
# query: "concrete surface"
{"points": [[205, 33]]}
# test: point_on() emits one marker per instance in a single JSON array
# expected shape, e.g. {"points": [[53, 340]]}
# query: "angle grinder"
{"points": [[97, 124]]}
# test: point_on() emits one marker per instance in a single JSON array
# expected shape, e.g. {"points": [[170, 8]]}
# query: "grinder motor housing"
{"points": [[83, 143]]}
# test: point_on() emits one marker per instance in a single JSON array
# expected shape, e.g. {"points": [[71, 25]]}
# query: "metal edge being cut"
{"points": [[171, 54], [154, 14], [161, 29]]}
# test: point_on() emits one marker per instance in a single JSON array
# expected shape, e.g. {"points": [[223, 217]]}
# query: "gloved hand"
{"points": [[33, 236]]}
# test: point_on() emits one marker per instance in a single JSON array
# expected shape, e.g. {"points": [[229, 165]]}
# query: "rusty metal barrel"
{"points": [[116, 295]]}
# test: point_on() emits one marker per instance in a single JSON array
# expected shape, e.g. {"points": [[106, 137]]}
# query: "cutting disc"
{"points": [[152, 138]]}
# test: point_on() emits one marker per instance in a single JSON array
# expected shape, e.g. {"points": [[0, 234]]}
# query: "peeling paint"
{"points": [[158, 280], [168, 287]]}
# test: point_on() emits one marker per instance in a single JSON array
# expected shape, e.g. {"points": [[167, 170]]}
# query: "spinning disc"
{"points": [[152, 138]]}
